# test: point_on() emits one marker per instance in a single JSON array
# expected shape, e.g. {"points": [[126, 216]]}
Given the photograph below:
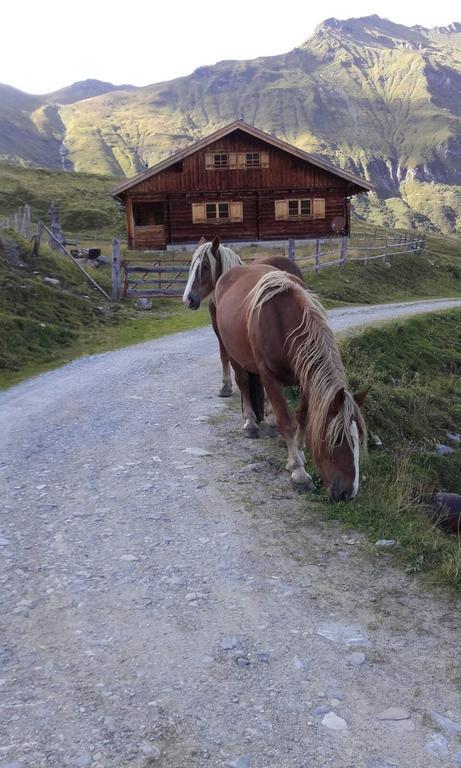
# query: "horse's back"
{"points": [[279, 262]]}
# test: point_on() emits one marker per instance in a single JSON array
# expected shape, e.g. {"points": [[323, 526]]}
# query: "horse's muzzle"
{"points": [[191, 303]]}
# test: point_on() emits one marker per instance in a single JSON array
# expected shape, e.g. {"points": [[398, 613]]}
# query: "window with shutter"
{"points": [[241, 159], [264, 159], [198, 213], [221, 160], [281, 209], [232, 159], [236, 211], [319, 207], [209, 161]]}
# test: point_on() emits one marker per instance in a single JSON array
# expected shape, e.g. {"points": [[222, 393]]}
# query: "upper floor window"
{"points": [[221, 160], [253, 159], [236, 160]]}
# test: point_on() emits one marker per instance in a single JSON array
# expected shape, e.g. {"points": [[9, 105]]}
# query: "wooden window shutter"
{"points": [[232, 160], [236, 211], [198, 213], [281, 209], [318, 208], [264, 159], [209, 161], [241, 159]]}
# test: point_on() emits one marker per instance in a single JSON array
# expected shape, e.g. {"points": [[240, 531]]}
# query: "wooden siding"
{"points": [[284, 171], [189, 181]]}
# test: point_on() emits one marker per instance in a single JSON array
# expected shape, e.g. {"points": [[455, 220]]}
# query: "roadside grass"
{"points": [[43, 326], [414, 369]]}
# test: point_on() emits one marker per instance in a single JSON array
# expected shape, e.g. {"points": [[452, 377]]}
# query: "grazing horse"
{"points": [[209, 262], [276, 334]]}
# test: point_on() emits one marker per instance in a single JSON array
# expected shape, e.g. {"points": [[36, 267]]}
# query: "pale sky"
{"points": [[46, 45]]}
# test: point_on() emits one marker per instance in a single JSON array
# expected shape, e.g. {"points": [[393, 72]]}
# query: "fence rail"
{"points": [[165, 276]]}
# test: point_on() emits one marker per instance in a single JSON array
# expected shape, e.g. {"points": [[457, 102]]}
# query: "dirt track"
{"points": [[163, 608]]}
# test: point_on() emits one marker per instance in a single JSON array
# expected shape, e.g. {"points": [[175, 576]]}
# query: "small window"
{"points": [[305, 207], [217, 210], [221, 160], [299, 208], [292, 207], [253, 160]]}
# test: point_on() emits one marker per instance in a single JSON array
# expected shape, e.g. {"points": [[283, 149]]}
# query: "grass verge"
{"points": [[43, 325], [414, 369]]}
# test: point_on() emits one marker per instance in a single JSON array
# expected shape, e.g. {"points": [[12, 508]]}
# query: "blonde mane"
{"points": [[316, 362], [228, 258]]}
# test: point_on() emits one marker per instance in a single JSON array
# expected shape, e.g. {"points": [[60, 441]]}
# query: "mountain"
{"points": [[378, 98]]}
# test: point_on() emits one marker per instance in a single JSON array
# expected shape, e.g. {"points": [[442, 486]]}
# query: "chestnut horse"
{"points": [[209, 261], [276, 334]]}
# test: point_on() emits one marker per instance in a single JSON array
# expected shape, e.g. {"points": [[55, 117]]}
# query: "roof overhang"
{"points": [[364, 186]]}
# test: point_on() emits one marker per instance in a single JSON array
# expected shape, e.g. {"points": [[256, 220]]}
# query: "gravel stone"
{"points": [[239, 762], [444, 450], [343, 633], [437, 744], [231, 643], [322, 709], [445, 722], [197, 452], [357, 659], [394, 713], [335, 723], [385, 543]]}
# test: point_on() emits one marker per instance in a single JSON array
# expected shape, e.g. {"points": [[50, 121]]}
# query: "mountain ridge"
{"points": [[375, 97]]}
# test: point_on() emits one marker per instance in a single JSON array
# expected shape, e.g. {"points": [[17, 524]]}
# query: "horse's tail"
{"points": [[256, 395], [273, 284]]}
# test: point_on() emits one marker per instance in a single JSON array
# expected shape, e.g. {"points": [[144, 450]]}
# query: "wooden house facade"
{"points": [[242, 184]]}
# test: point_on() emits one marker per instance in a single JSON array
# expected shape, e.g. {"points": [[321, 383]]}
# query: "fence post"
{"points": [[318, 246], [116, 269], [291, 249], [343, 256], [36, 240], [25, 221]]}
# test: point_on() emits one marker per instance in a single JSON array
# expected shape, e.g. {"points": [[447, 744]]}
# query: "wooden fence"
{"points": [[164, 275]]}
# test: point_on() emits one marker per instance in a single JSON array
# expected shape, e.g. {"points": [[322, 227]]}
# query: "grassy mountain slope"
{"points": [[376, 97], [83, 200]]}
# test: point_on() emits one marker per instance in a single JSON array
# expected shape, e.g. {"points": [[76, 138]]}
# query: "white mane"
{"points": [[228, 259]]}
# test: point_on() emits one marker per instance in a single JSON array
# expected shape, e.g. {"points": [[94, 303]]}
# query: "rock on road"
{"points": [[168, 599]]}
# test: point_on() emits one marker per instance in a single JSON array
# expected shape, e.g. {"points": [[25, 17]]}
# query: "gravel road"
{"points": [[168, 599]]}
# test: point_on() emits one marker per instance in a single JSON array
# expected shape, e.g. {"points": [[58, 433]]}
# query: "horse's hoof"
{"points": [[225, 391], [307, 487], [251, 432]]}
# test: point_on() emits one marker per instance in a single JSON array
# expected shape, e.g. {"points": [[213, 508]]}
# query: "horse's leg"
{"points": [[287, 429], [250, 426], [226, 389], [269, 418], [301, 419]]}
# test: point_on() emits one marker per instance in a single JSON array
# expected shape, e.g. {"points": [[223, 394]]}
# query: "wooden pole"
{"points": [[318, 246], [343, 256], [116, 269], [79, 266], [36, 240], [291, 249]]}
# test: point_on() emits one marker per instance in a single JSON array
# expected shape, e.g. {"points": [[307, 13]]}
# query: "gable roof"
{"points": [[252, 131]]}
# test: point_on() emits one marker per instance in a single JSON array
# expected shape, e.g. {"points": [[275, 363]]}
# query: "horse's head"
{"points": [[204, 271], [337, 454]]}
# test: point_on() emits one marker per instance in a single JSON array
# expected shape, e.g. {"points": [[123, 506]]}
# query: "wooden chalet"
{"points": [[242, 184]]}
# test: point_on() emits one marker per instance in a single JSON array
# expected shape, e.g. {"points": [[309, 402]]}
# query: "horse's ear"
{"points": [[215, 247], [202, 240], [359, 397], [338, 401]]}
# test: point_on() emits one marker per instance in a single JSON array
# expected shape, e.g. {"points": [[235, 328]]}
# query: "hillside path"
{"points": [[161, 606]]}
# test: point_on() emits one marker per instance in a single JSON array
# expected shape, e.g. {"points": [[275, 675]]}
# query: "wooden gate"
{"points": [[142, 275]]}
